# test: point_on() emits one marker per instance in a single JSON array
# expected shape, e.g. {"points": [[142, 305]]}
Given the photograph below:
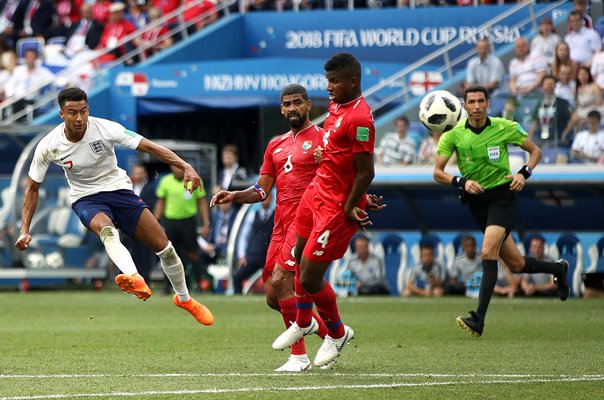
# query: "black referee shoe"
{"points": [[561, 281], [473, 323]]}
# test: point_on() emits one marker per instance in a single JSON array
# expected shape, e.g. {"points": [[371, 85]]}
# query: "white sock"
{"points": [[172, 266], [118, 253]]}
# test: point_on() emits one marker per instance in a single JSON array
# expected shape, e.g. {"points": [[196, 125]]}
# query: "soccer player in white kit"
{"points": [[102, 197]]}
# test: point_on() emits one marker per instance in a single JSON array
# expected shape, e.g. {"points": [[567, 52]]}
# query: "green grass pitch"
{"points": [[109, 345]]}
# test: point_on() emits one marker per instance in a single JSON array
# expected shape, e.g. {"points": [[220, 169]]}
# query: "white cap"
{"points": [[115, 7]]}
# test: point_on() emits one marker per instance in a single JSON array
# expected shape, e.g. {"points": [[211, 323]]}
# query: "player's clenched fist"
{"points": [[23, 241]]}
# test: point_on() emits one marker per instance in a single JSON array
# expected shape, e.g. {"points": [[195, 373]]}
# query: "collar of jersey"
{"points": [[478, 131]]}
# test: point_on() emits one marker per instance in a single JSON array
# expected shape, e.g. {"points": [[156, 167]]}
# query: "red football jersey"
{"points": [[349, 130], [289, 159]]}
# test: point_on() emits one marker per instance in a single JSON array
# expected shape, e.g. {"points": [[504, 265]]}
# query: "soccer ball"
{"points": [[54, 260], [439, 111]]}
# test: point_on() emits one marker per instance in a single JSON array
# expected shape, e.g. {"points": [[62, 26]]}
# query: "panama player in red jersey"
{"points": [[331, 210], [290, 165]]}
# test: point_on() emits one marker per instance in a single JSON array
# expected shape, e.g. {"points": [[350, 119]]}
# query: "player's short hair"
{"points": [[294, 88], [475, 89], [71, 94], [344, 63]]}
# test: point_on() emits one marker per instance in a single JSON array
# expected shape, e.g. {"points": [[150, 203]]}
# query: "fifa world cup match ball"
{"points": [[439, 111]]}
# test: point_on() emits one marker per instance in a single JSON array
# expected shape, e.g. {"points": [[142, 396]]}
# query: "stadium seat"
{"points": [[569, 247], [596, 257], [62, 229], [30, 43], [395, 262], [600, 21]]}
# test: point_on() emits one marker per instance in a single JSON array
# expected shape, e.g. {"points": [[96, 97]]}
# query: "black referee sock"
{"points": [[534, 266], [487, 285]]}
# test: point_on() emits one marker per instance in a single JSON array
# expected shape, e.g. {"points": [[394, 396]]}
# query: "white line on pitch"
{"points": [[295, 389], [306, 374]]}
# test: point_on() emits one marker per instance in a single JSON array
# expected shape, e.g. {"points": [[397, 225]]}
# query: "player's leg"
{"points": [[149, 231], [96, 214], [510, 254]]}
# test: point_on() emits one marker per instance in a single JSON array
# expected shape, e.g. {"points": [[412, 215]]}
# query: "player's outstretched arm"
{"points": [[30, 202], [191, 179], [253, 194]]}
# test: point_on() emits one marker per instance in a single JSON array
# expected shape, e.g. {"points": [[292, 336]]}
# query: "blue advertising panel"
{"points": [[393, 35], [237, 81]]}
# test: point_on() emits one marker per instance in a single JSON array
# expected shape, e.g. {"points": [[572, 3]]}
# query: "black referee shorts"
{"points": [[496, 206], [182, 233]]}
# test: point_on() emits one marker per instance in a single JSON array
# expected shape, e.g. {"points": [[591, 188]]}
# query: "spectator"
{"points": [[116, 29], [588, 145], [8, 62], [427, 149], [597, 69], [36, 18], [232, 174], [566, 87], [486, 69], [24, 78], [199, 14], [150, 37], [253, 241], [466, 264], [9, 18], [427, 278], [368, 269], [84, 34], [562, 57], [544, 44], [550, 116], [509, 108], [526, 70], [588, 97], [100, 11], [137, 13], [178, 209], [215, 247], [538, 284], [397, 148], [166, 7], [583, 42], [68, 14], [581, 7]]}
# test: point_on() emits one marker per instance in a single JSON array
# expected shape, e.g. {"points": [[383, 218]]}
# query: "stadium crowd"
{"points": [[552, 86]]}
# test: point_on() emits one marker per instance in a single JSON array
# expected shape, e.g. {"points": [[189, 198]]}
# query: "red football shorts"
{"points": [[325, 225]]}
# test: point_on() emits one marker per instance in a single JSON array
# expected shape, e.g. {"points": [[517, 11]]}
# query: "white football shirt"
{"points": [[90, 165]]}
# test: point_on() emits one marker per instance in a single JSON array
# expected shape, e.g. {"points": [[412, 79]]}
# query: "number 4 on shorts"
{"points": [[324, 238]]}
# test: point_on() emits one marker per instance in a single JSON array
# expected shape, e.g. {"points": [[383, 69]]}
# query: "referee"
{"points": [[489, 188]]}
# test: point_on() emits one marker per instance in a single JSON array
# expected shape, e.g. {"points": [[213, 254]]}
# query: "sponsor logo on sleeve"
{"points": [[362, 134]]}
